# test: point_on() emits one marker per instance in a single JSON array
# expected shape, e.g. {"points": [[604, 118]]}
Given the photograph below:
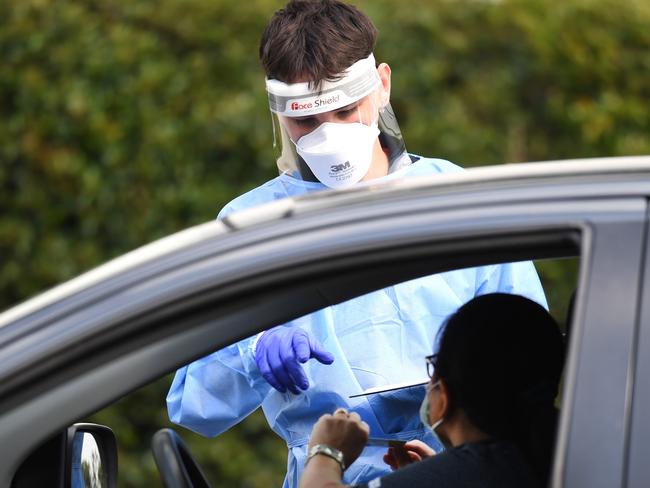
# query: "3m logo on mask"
{"points": [[337, 168]]}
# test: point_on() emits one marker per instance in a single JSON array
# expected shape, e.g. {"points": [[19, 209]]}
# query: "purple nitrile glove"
{"points": [[279, 353]]}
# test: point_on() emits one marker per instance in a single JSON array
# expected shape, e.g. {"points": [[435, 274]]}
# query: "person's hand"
{"points": [[279, 353], [411, 452], [343, 431]]}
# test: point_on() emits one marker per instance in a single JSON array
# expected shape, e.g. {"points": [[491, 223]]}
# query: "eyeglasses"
{"points": [[431, 364]]}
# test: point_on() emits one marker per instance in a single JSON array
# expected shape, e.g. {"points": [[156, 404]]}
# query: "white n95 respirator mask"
{"points": [[339, 155]]}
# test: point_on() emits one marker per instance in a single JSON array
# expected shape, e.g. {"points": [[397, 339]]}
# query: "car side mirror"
{"points": [[90, 457]]}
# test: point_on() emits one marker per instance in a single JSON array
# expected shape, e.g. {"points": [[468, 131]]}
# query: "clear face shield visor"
{"points": [[335, 134]]}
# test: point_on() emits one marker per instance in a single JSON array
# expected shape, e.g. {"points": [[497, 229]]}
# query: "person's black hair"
{"points": [[501, 357]]}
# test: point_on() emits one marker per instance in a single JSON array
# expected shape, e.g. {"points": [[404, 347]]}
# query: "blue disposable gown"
{"points": [[376, 339]]}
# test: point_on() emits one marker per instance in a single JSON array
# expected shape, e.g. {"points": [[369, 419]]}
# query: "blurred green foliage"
{"points": [[121, 122]]}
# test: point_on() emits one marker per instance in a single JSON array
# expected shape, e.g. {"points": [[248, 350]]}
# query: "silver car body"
{"points": [[84, 344]]}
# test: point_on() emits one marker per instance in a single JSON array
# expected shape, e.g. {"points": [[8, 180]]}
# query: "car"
{"points": [[79, 347]]}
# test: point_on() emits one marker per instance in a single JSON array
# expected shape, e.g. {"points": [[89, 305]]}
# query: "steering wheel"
{"points": [[176, 466]]}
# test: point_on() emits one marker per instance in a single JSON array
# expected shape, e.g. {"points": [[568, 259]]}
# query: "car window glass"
{"points": [[227, 458]]}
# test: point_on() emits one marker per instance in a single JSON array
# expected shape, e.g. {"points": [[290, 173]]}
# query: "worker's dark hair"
{"points": [[501, 357], [315, 40]]}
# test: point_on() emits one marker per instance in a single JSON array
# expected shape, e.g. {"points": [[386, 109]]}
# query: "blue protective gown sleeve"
{"points": [[373, 349], [215, 392]]}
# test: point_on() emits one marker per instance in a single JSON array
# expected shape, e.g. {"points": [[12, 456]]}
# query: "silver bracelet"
{"points": [[328, 451]]}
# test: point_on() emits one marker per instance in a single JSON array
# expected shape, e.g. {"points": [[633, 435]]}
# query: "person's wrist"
{"points": [[326, 451], [255, 341]]}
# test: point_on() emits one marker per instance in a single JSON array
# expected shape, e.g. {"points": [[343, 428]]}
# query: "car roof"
{"points": [[482, 177]]}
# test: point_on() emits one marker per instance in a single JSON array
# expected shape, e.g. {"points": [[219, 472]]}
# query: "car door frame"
{"points": [[510, 228], [593, 429], [638, 447]]}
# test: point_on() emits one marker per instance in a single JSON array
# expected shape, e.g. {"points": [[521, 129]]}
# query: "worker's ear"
{"points": [[384, 89]]}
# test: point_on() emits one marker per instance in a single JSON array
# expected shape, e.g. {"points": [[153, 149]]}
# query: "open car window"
{"points": [[226, 458]]}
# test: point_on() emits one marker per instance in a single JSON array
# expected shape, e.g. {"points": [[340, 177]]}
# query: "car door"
{"points": [[592, 434], [638, 447], [137, 325]]}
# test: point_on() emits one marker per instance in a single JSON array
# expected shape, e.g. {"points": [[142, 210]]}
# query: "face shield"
{"points": [[336, 134]]}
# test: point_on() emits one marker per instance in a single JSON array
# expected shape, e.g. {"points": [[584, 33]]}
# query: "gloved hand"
{"points": [[279, 353]]}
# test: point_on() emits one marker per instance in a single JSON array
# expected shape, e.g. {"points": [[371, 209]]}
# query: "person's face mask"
{"points": [[424, 414], [339, 155]]}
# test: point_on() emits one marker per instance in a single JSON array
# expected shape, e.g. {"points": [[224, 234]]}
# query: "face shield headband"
{"points": [[299, 101]]}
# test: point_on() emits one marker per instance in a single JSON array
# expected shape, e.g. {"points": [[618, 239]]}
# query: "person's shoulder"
{"points": [[429, 472], [282, 186], [257, 196], [473, 464], [500, 462], [431, 166]]}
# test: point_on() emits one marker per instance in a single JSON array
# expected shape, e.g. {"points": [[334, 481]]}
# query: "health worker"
{"points": [[334, 127]]}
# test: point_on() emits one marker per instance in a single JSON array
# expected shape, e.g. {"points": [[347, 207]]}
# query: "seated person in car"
{"points": [[491, 401]]}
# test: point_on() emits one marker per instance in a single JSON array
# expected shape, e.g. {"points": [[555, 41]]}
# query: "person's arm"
{"points": [[322, 472], [344, 432], [214, 393]]}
